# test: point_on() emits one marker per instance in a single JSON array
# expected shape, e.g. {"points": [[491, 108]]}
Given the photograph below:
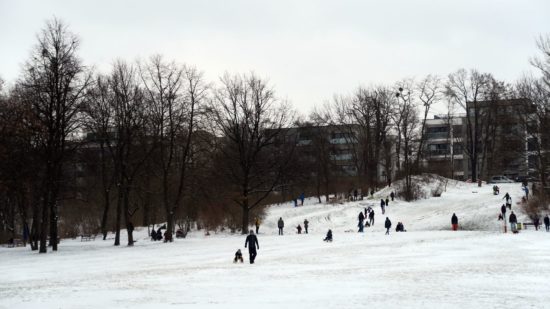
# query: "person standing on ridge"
{"points": [[257, 223], [252, 242], [280, 225], [454, 222], [302, 198], [306, 224]]}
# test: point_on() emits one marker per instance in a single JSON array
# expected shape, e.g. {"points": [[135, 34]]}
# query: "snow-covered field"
{"points": [[427, 267]]}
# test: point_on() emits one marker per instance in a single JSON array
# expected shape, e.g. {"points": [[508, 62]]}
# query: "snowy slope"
{"points": [[427, 267]]}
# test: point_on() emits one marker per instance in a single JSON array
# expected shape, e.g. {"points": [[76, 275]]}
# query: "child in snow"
{"points": [[238, 257], [299, 228], [329, 236]]}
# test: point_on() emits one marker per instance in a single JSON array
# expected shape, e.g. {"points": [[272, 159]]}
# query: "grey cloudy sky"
{"points": [[309, 50]]}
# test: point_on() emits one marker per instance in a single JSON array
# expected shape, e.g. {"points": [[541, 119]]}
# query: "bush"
{"points": [[536, 206]]}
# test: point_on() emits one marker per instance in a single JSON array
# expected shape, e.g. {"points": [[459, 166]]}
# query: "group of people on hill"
{"points": [[369, 214]]}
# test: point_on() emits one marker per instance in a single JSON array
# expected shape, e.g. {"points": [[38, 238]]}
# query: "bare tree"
{"points": [[176, 94], [429, 92], [467, 90], [54, 81], [251, 120]]}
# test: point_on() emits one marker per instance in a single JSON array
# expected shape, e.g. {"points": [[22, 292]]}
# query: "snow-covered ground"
{"points": [[427, 267]]}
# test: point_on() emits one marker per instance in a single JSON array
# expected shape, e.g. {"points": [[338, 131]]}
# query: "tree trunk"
{"points": [[44, 225], [106, 206], [246, 212], [118, 215]]}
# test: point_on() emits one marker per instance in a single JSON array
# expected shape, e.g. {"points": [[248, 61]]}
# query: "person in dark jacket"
{"points": [[329, 236], [306, 224], [547, 223], [392, 195], [454, 222], [387, 225], [513, 222], [371, 217], [361, 218], [252, 242], [387, 202], [355, 194], [536, 223], [299, 229], [383, 206], [302, 198], [280, 225], [503, 211], [238, 257]]}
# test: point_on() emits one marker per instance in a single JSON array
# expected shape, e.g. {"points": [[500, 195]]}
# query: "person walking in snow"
{"points": [[508, 200], [257, 223], [302, 198], [252, 242], [383, 206], [503, 212], [371, 217], [355, 194], [547, 223], [387, 202], [513, 222], [454, 222], [280, 225], [392, 195], [329, 236], [299, 229], [361, 218], [306, 224], [387, 225]]}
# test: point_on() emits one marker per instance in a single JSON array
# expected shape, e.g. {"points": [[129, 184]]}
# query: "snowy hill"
{"points": [[427, 267], [476, 207]]}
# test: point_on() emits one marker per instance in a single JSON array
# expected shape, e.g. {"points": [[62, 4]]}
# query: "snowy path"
{"points": [[427, 267]]}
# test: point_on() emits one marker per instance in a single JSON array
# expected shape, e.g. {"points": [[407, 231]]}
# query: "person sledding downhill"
{"points": [[238, 257]]}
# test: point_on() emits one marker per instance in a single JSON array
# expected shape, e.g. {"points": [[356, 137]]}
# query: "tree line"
{"points": [[153, 141]]}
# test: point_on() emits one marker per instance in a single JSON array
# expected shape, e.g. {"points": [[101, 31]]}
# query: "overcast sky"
{"points": [[309, 50]]}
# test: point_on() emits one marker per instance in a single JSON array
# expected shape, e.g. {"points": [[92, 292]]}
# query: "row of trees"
{"points": [[153, 141]]}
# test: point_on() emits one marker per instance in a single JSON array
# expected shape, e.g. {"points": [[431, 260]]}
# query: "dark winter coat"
{"points": [[503, 209], [371, 215], [280, 223], [546, 220], [454, 219], [513, 218], [382, 203], [252, 241], [387, 224], [306, 223], [361, 217]]}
